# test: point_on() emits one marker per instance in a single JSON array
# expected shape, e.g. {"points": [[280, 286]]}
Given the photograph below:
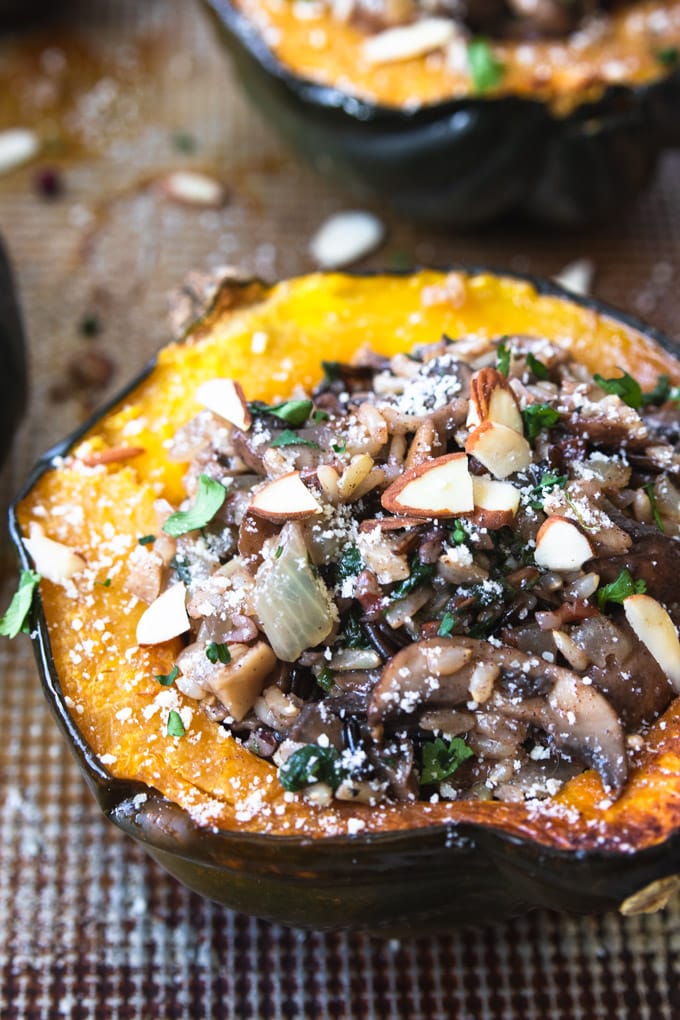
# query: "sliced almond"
{"points": [[165, 618], [499, 448], [110, 455], [53, 560], [405, 42], [193, 188], [390, 523], [17, 146], [656, 630], [561, 546], [226, 399], [441, 487], [492, 399], [346, 237], [284, 499], [496, 503]]}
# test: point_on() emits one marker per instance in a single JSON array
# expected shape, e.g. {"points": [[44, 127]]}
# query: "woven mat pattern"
{"points": [[90, 929]]}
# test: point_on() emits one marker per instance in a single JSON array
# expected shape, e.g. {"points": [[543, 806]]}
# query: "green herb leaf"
{"points": [[168, 679], [326, 679], [486, 70], [15, 618], [175, 724], [353, 632], [447, 625], [106, 583], [669, 56], [458, 534], [538, 417], [181, 567], [503, 358], [146, 540], [349, 564], [620, 589], [549, 480], [537, 367], [439, 761], [339, 447], [660, 394], [218, 651], [279, 550], [182, 141], [320, 416], [420, 572], [649, 489], [295, 412], [623, 386], [311, 764], [290, 438], [209, 498]]}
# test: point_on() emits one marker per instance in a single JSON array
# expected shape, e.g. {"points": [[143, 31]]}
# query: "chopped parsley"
{"points": [[279, 550], [447, 625], [349, 564], [218, 651], [669, 56], [168, 679], [175, 724], [106, 583], [549, 480], [503, 358], [320, 416], [182, 141], [353, 632], [660, 394], [326, 679], [181, 567], [332, 371], [623, 386], [290, 438], [486, 70], [458, 535], [15, 618], [538, 417], [620, 589], [146, 540], [420, 572], [537, 367], [295, 412], [440, 761], [209, 498], [311, 764], [651, 494], [339, 447]]}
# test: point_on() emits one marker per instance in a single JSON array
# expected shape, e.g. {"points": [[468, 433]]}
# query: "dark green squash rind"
{"points": [[407, 883], [13, 369], [467, 161]]}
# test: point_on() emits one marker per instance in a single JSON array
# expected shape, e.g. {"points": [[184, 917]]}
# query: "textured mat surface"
{"points": [[121, 93]]}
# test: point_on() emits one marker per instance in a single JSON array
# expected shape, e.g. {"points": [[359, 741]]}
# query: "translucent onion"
{"points": [[291, 600]]}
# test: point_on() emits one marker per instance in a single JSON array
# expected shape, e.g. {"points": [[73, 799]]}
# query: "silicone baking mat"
{"points": [[121, 93]]}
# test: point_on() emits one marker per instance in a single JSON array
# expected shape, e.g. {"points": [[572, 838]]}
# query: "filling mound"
{"points": [[448, 574]]}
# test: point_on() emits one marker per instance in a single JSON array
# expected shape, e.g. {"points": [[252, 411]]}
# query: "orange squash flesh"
{"points": [[108, 682], [563, 72]]}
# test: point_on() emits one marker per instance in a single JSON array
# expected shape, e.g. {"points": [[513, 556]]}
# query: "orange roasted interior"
{"points": [[108, 681], [565, 72]]}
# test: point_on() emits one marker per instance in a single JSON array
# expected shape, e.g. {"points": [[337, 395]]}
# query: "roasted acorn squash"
{"points": [[566, 143], [204, 807], [14, 374]]}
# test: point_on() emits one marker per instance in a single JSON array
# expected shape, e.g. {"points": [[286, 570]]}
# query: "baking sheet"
{"points": [[121, 93]]}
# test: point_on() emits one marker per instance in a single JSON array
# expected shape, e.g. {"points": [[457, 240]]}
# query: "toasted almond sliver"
{"points": [[408, 41], [283, 499], [561, 546], [441, 487], [500, 449], [111, 455], [165, 618], [193, 188], [656, 630], [226, 399], [53, 560]]}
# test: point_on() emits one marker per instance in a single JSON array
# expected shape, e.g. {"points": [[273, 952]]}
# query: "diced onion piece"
{"points": [[165, 618], [53, 560], [656, 630], [291, 600]]}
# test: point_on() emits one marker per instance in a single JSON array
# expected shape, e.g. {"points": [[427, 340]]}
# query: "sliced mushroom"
{"points": [[425, 671]]}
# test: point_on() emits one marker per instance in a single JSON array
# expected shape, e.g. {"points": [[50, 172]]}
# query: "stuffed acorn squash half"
{"points": [[360, 608], [455, 113]]}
